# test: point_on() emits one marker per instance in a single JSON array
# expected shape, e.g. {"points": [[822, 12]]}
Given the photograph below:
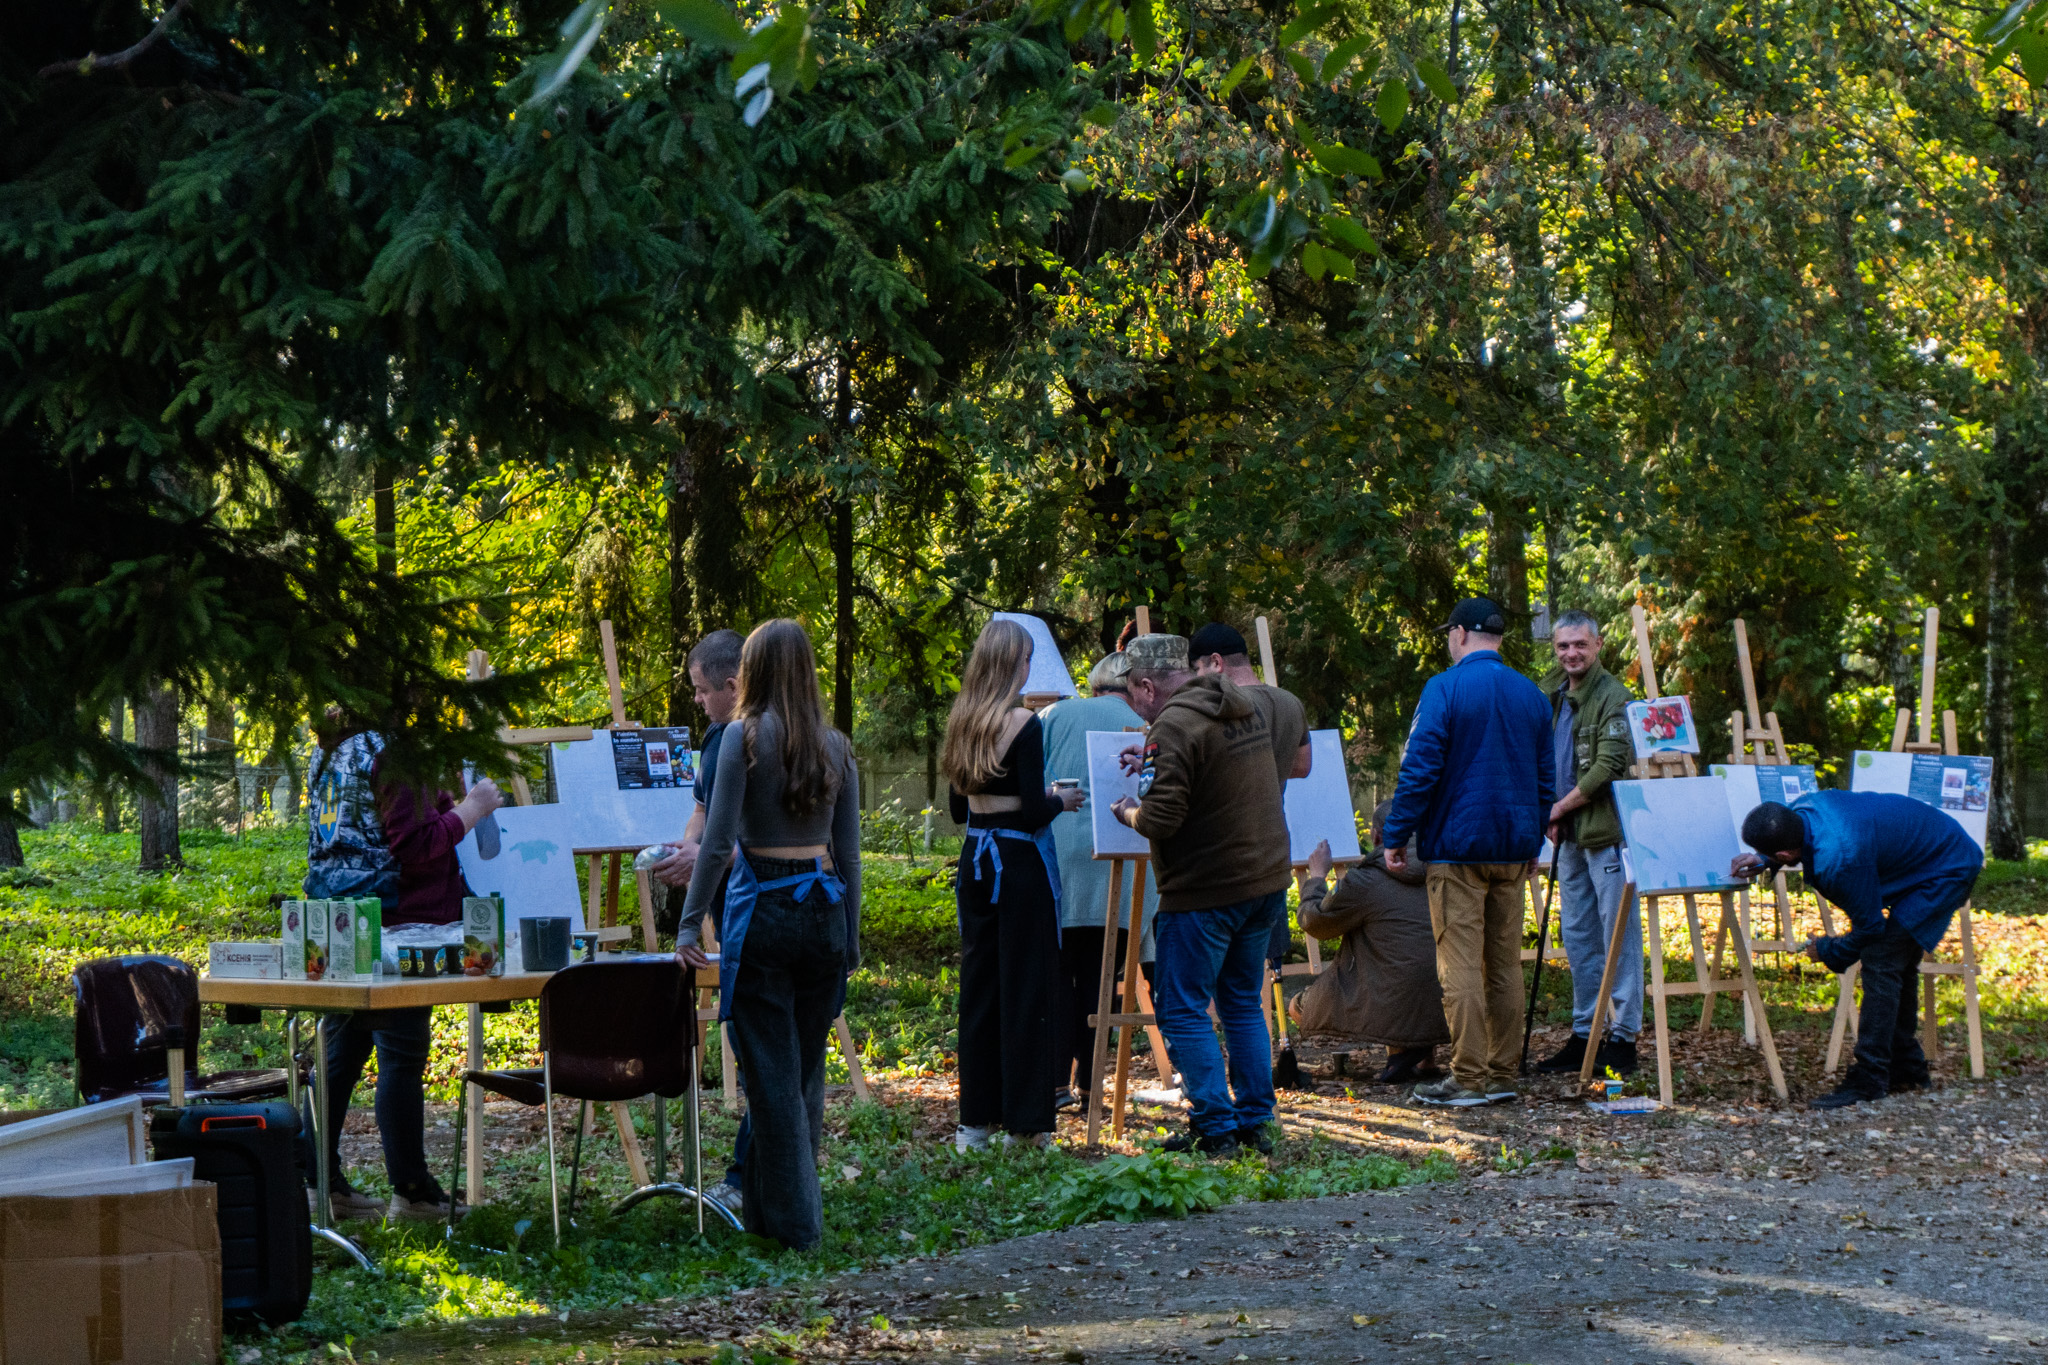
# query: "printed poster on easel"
{"points": [[1752, 784], [649, 758], [1958, 784]]}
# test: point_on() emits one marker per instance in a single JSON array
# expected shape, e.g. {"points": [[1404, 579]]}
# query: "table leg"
{"points": [[473, 1096], [323, 1202]]}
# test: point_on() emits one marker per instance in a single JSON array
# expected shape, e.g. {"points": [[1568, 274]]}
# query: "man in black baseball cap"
{"points": [[1477, 615]]}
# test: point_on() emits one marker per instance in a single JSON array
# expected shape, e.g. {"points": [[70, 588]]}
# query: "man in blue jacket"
{"points": [[1865, 851], [1477, 783]]}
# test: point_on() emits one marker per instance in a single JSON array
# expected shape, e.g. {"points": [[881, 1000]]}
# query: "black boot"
{"points": [[1617, 1056], [1408, 1065], [1843, 1098], [1570, 1057]]}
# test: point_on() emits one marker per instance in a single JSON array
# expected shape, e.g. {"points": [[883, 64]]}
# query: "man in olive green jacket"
{"points": [[1590, 729]]}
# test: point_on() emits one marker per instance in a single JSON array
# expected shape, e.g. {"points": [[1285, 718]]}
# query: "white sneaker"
{"points": [[1025, 1139], [728, 1194], [426, 1210], [966, 1139], [349, 1205]]}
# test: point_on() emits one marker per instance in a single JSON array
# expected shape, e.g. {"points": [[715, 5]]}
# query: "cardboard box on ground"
{"points": [[132, 1278]]}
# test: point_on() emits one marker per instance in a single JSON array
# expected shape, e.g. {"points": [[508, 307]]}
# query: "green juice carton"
{"points": [[369, 938], [293, 924], [483, 936]]}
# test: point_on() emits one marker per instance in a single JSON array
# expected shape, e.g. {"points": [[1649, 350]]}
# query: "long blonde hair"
{"points": [[779, 673], [973, 752]]}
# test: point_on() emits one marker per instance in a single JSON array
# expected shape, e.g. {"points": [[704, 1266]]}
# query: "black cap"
{"points": [[1479, 615], [1215, 638]]}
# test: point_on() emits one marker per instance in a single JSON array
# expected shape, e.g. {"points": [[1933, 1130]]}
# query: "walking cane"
{"points": [[1542, 934]]}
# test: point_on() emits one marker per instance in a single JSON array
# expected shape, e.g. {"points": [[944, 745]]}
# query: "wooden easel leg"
{"points": [[611, 889], [1603, 1006], [1703, 968], [1845, 1016], [1782, 894], [1711, 976], [1093, 1080], [1971, 1016], [629, 1142], [1129, 1004], [1139, 985], [1657, 1001], [852, 1056], [593, 916], [1749, 937], [473, 1096], [1930, 1035], [643, 887], [1753, 995]]}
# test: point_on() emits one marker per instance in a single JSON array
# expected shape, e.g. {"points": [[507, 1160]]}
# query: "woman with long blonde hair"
{"points": [[1008, 892], [785, 818]]}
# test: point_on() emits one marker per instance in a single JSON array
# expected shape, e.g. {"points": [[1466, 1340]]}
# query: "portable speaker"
{"points": [[249, 1152]]}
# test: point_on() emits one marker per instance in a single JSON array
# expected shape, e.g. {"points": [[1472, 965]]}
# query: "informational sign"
{"points": [[1663, 726], [1319, 805], [532, 866], [1957, 783], [599, 812], [646, 759], [1680, 834], [1750, 785], [1107, 782], [1048, 669]]}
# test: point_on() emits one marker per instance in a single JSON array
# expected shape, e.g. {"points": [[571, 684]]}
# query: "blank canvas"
{"points": [[1319, 805], [1048, 669], [599, 815], [1680, 834], [534, 870], [1107, 781]]}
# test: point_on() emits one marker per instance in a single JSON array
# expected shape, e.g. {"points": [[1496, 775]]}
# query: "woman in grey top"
{"points": [[785, 817]]}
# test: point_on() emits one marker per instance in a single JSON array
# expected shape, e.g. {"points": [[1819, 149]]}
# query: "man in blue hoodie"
{"points": [[1477, 784], [1865, 851]]}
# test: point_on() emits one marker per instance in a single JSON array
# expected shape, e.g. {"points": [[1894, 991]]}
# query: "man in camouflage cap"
{"points": [[1209, 803]]}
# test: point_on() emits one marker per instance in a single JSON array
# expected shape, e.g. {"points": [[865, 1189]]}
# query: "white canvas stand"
{"points": [[1048, 677]]}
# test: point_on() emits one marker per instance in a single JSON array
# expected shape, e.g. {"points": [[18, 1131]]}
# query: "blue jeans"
{"points": [[1219, 954], [1589, 886]]}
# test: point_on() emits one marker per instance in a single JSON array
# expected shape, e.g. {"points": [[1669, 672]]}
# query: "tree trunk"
{"points": [[222, 770], [156, 732], [384, 513], [110, 794], [682, 623], [10, 838], [2003, 836], [842, 651], [1507, 575]]}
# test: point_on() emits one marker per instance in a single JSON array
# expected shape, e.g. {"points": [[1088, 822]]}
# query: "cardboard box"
{"points": [[483, 936], [246, 961], [128, 1278], [341, 941], [293, 923]]}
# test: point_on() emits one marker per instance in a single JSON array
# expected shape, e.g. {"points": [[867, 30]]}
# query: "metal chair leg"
{"points": [[547, 1109]]}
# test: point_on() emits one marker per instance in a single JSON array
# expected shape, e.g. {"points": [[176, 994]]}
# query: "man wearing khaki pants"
{"points": [[1477, 783]]}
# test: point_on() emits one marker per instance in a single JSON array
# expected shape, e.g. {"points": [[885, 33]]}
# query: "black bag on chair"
{"points": [[249, 1152]]}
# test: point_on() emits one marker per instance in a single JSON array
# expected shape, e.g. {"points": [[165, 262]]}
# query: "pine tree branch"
{"points": [[92, 62]]}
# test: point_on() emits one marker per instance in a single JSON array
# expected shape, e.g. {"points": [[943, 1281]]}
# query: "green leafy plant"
{"points": [[1131, 1188]]}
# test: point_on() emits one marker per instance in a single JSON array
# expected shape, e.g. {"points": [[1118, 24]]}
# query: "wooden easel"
{"points": [[1658, 989], [1276, 1026], [1135, 993], [1930, 970], [1757, 739]]}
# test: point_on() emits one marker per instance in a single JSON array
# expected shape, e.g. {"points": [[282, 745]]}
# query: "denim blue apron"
{"points": [[982, 846], [742, 889]]}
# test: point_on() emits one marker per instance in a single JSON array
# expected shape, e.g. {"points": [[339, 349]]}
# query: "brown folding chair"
{"points": [[609, 1031], [135, 1018]]}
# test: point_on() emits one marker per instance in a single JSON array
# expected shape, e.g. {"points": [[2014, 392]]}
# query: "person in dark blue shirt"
{"points": [[1866, 851], [1477, 784]]}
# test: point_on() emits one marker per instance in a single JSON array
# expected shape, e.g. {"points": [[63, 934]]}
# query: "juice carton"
{"points": [[341, 940], [315, 957], [294, 938], [369, 938], [483, 936]]}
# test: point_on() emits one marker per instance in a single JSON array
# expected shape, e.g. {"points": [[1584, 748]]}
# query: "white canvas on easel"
{"points": [[599, 815], [1680, 834], [1048, 676], [534, 870], [1319, 806], [1107, 783]]}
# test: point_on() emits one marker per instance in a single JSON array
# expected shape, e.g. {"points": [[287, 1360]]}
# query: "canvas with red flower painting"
{"points": [[1663, 726]]}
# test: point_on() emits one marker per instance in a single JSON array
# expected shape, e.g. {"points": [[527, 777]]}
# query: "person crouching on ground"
{"points": [[785, 821], [1012, 996], [1209, 802], [1865, 851], [1382, 988]]}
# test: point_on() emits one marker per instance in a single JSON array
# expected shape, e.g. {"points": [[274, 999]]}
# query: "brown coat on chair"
{"points": [[1383, 986]]}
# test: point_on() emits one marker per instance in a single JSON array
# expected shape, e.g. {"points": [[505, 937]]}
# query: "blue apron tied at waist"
{"points": [[742, 888], [981, 844]]}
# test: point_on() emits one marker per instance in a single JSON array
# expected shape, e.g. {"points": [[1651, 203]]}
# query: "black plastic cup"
{"points": [[544, 943]]}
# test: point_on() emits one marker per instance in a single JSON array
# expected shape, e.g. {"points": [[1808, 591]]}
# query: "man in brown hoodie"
{"points": [[1209, 802]]}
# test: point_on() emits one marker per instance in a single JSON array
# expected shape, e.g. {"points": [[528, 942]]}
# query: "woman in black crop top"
{"points": [[1011, 1015]]}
